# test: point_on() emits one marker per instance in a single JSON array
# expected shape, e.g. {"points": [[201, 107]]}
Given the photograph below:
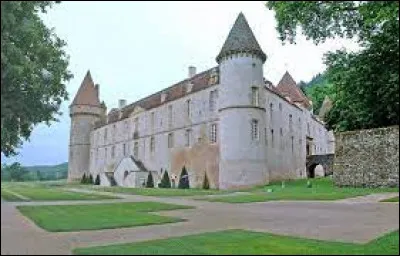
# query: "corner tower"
{"points": [[242, 109], [84, 111]]}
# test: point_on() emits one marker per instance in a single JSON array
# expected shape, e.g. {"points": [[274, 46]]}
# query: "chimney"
{"points": [[192, 71], [122, 103]]}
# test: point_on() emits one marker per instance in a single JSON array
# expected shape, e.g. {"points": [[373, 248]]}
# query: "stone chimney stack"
{"points": [[192, 71], [121, 103]]}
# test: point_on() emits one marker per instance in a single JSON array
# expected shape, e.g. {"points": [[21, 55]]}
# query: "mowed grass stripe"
{"points": [[240, 242], [98, 216]]}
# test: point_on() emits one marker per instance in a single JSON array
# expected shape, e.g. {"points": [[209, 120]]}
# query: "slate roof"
{"points": [[241, 39]]}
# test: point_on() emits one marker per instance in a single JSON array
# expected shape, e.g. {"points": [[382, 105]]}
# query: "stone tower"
{"points": [[242, 109], [85, 110]]}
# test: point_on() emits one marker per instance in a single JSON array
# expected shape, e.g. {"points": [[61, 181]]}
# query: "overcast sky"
{"points": [[134, 49]]}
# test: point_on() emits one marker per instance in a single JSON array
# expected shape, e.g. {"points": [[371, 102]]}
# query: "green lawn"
{"points": [[43, 192], [322, 189], [393, 199], [160, 191], [98, 216], [242, 242]]}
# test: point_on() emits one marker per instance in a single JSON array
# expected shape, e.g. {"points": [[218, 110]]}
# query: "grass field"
{"points": [[242, 242], [393, 199], [160, 191], [98, 216], [322, 189], [41, 191]]}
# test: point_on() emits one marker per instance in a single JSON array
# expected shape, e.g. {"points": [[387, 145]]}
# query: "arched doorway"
{"points": [[311, 171]]}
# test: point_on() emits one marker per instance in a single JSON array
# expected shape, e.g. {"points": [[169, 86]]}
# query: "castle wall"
{"points": [[199, 157]]}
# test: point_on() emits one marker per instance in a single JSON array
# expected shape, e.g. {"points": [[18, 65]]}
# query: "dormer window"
{"points": [[189, 87], [255, 98], [163, 97]]}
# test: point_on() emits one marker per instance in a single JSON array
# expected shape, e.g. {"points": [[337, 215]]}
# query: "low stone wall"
{"points": [[367, 158]]}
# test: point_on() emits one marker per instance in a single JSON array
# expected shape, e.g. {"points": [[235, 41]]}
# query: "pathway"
{"points": [[340, 221]]}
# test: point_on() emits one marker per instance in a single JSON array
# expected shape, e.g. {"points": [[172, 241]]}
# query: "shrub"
{"points": [[150, 182], [83, 180], [206, 185], [165, 181], [184, 179], [90, 180], [97, 180]]}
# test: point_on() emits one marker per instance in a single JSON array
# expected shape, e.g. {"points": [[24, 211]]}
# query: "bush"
{"points": [[206, 185], [150, 182], [97, 180], [184, 179], [83, 180], [90, 180], [165, 181]]}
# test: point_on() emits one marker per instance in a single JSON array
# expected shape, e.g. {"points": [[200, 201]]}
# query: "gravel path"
{"points": [[352, 220]]}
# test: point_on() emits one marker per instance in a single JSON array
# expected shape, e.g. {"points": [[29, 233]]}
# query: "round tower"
{"points": [[85, 110], [242, 109]]}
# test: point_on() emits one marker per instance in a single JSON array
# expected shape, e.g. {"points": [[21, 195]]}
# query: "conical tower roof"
{"points": [[241, 39], [288, 88], [88, 93]]}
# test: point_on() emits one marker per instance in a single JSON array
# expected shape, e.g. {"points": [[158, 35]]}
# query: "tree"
{"points": [[184, 179], [84, 179], [15, 171], [362, 80], [33, 72], [165, 181], [97, 180], [90, 180], [318, 92], [206, 185], [150, 182]]}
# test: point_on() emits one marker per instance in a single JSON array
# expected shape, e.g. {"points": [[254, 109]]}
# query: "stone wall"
{"points": [[367, 158]]}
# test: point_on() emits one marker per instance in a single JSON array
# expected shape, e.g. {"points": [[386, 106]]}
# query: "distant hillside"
{"points": [[316, 90], [33, 173]]}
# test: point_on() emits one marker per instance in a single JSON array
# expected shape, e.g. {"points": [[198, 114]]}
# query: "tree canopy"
{"points": [[33, 72], [366, 83]]}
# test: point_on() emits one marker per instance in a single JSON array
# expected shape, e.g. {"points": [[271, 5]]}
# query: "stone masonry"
{"points": [[367, 158]]}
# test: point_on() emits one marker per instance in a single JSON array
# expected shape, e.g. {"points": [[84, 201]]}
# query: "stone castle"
{"points": [[228, 123]]}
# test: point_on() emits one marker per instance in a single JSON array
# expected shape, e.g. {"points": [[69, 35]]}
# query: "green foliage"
{"points": [[84, 179], [13, 172], [150, 182], [184, 179], [165, 181], [318, 92], [362, 80], [90, 180], [206, 185], [38, 173], [97, 180], [33, 72]]}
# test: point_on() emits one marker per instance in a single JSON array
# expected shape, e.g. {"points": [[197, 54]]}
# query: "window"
{"points": [[299, 122], [152, 144], [292, 144], [114, 132], [106, 154], [136, 149], [266, 136], [213, 133], [188, 135], [136, 124], [112, 151], [188, 108], [290, 123], [280, 106], [105, 134], [152, 120], [281, 138], [272, 137], [254, 129], [254, 96], [271, 110], [170, 115], [308, 128], [170, 140], [212, 101], [126, 126]]}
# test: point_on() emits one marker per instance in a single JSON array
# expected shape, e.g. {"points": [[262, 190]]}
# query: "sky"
{"points": [[134, 49]]}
